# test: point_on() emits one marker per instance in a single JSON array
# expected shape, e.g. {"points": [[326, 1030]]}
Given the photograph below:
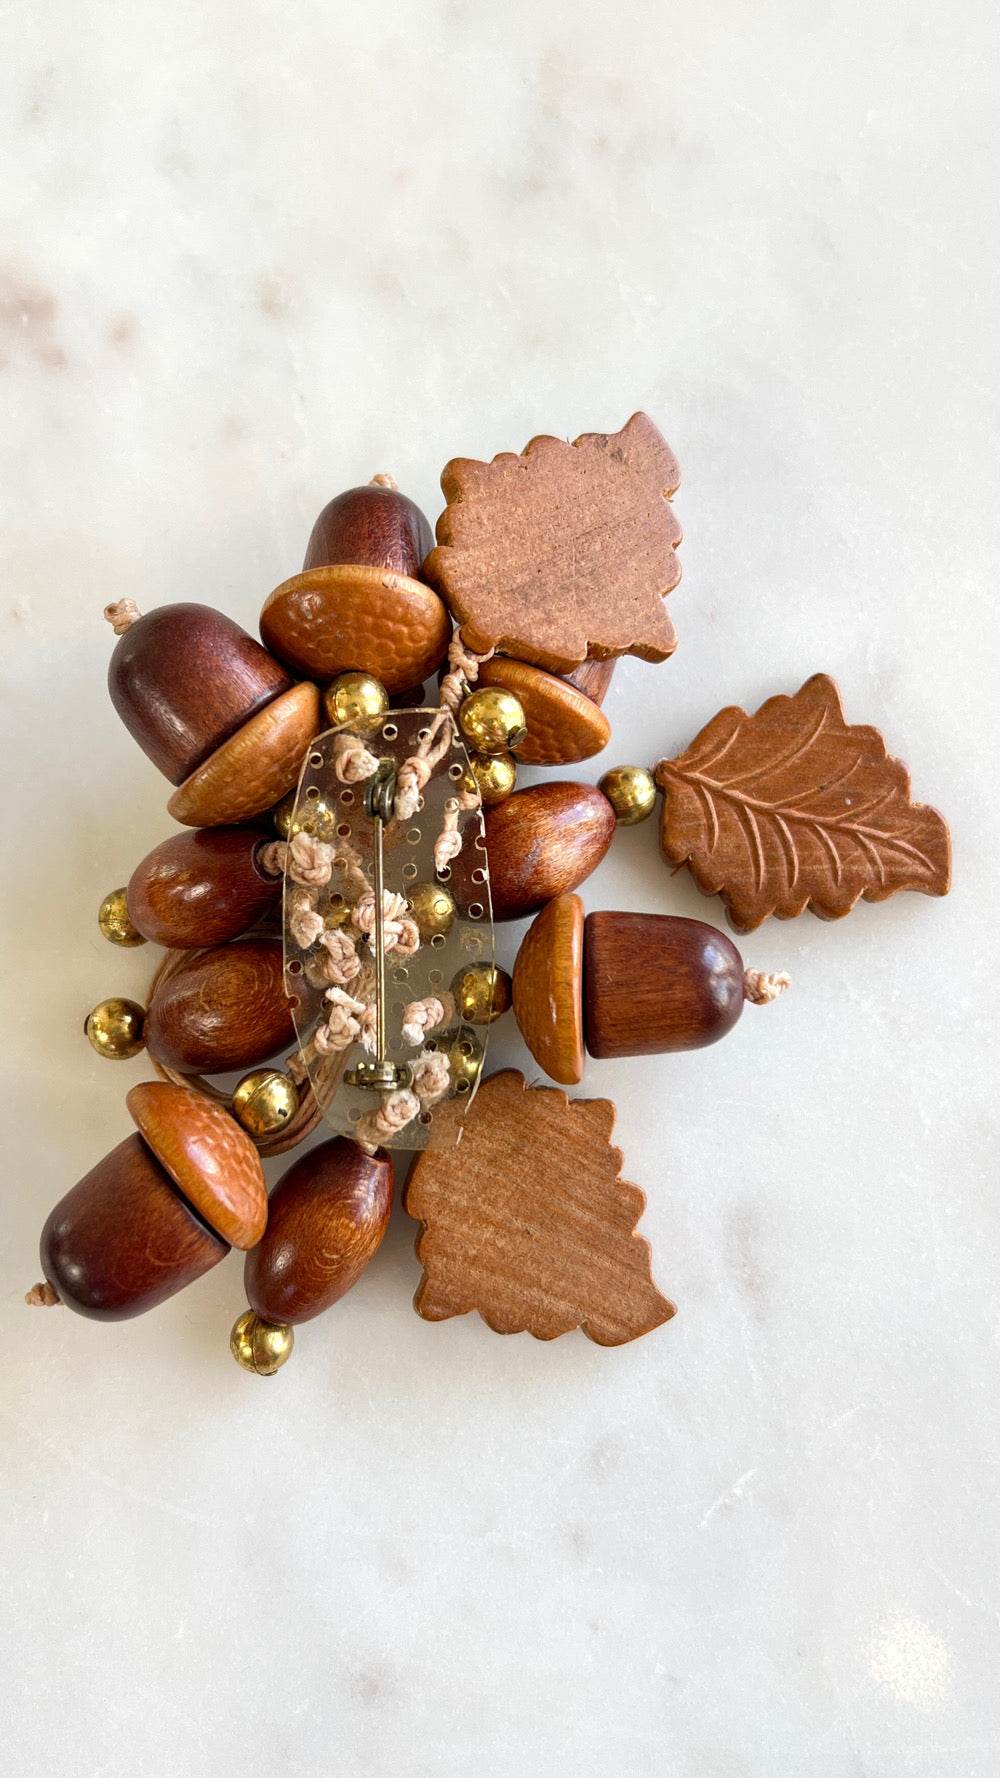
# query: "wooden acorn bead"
{"points": [[593, 678], [326, 1218], [653, 983], [542, 842], [124, 1239], [358, 605], [209, 1158], [225, 1009], [183, 678], [201, 888]]}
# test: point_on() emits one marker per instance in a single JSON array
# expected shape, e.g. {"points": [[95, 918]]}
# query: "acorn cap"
{"points": [[211, 1160], [185, 677], [254, 768], [351, 617], [548, 989]]}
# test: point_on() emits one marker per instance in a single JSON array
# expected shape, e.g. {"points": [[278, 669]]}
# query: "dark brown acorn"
{"points": [[653, 983], [201, 888], [124, 1239], [223, 1010], [326, 1218], [183, 678], [358, 605]]}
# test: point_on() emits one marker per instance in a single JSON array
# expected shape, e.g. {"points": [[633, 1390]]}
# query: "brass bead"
{"points": [[281, 815], [265, 1100], [352, 696], [114, 922], [495, 775], [433, 909], [260, 1346], [482, 993], [115, 1028], [492, 720], [631, 792], [465, 1060]]}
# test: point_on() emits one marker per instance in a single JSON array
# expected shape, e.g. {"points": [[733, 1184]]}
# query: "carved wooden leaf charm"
{"points": [[794, 808], [564, 551], [528, 1221]]}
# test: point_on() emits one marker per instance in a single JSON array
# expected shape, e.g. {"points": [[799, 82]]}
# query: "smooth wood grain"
{"points": [[124, 1240], [253, 769], [794, 808], [565, 551], [543, 842], [341, 618], [209, 1158], [548, 989], [372, 526], [564, 725], [529, 1221], [593, 678], [184, 678], [653, 983], [326, 1218], [225, 1009], [201, 888]]}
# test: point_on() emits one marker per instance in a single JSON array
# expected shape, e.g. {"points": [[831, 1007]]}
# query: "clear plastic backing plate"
{"points": [[337, 814]]}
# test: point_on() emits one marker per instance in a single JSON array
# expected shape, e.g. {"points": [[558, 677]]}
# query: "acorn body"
{"points": [[124, 1239], [225, 1009], [183, 678], [542, 842], [373, 526], [653, 983], [326, 1218], [201, 888]]}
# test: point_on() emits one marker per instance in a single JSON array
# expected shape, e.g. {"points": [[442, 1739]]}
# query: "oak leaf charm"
{"points": [[794, 808], [529, 1222], [564, 551]]}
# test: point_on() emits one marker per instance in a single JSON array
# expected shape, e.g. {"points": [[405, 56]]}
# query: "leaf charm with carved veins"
{"points": [[563, 551], [793, 808]]}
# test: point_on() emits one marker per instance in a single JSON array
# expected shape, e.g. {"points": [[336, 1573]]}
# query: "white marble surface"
{"points": [[249, 255]]}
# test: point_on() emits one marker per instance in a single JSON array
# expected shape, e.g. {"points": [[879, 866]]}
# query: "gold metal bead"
{"points": [[492, 720], [482, 993], [495, 775], [281, 815], [631, 792], [465, 1060], [260, 1346], [264, 1101], [433, 909], [353, 695], [114, 922], [115, 1028]]}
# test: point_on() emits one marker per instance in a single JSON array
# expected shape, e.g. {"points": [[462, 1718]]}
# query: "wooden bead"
{"points": [[542, 842], [356, 618], [563, 724], [224, 1010], [183, 678], [374, 526], [593, 678], [209, 1158], [529, 1221], [653, 983], [124, 1239], [201, 888], [548, 989], [326, 1217], [255, 767]]}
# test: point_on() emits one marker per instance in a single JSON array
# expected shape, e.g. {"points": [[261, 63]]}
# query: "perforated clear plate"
{"points": [[337, 814]]}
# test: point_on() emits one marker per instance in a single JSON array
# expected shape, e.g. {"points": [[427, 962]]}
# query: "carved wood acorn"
{"points": [[358, 604], [211, 708]]}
